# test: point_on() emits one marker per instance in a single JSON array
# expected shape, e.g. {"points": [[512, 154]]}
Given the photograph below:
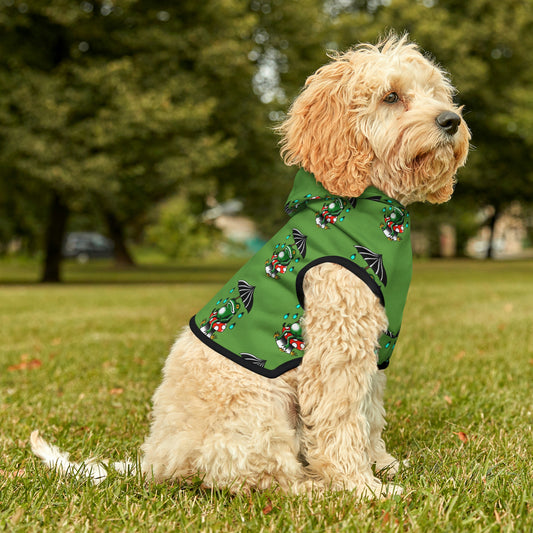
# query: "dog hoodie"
{"points": [[255, 319]]}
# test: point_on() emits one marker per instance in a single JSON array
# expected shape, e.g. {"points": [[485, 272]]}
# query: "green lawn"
{"points": [[80, 361]]}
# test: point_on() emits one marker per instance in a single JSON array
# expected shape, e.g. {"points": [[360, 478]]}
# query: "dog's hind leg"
{"points": [[343, 321], [229, 426], [255, 445]]}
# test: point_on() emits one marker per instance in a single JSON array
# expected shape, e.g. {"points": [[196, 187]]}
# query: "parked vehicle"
{"points": [[83, 246]]}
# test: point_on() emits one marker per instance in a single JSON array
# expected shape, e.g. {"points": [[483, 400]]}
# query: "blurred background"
{"points": [[134, 128]]}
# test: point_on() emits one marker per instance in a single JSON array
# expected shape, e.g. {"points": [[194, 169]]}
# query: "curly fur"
{"points": [[318, 426], [339, 129]]}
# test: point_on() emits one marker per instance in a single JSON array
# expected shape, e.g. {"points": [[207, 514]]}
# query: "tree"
{"points": [[105, 105], [119, 106]]}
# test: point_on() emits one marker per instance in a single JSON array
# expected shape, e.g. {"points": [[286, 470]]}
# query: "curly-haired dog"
{"points": [[240, 405]]}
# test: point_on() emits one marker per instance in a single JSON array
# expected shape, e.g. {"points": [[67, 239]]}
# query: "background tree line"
{"points": [[110, 108]]}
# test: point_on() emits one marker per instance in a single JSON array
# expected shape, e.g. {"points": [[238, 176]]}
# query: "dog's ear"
{"points": [[322, 133]]}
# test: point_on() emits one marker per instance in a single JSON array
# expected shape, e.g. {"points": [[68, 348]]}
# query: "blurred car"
{"points": [[83, 245]]}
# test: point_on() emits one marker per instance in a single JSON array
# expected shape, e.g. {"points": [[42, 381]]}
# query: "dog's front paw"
{"points": [[388, 466], [392, 490], [380, 490]]}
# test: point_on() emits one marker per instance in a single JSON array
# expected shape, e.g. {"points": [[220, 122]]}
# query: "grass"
{"points": [[81, 360]]}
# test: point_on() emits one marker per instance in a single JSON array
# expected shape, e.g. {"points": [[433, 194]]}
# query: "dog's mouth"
{"points": [[433, 174], [449, 151], [419, 161], [428, 159]]}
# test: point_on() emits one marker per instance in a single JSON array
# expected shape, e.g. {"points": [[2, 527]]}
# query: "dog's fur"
{"points": [[317, 426]]}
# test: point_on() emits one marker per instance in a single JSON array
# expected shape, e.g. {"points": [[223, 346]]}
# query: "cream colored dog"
{"points": [[377, 115]]}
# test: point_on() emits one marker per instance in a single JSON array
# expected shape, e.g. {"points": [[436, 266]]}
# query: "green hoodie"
{"points": [[255, 319]]}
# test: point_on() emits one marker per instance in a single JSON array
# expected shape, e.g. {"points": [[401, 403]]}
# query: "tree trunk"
{"points": [[116, 233], [55, 235], [492, 226]]}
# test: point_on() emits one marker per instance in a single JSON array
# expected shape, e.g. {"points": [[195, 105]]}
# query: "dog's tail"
{"points": [[93, 469]]}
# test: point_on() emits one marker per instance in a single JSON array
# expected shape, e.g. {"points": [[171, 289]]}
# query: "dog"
{"points": [[372, 131]]}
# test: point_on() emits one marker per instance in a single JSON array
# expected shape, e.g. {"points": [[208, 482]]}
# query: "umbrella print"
{"points": [[300, 240], [246, 292], [251, 358], [374, 261], [374, 198]]}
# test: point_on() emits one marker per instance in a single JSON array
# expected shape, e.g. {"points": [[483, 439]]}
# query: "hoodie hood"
{"points": [[308, 192]]}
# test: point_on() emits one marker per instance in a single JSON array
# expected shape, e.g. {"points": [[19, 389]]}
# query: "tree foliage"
{"points": [[113, 106], [178, 232]]}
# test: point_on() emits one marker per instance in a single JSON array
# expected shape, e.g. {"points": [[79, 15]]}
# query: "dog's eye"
{"points": [[391, 98]]}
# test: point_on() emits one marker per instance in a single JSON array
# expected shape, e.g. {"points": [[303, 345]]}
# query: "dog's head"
{"points": [[379, 115]]}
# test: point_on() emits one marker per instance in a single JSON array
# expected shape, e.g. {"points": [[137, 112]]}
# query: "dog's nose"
{"points": [[449, 122]]}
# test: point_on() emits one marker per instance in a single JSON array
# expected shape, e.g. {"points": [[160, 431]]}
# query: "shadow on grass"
{"points": [[219, 270], [105, 272]]}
